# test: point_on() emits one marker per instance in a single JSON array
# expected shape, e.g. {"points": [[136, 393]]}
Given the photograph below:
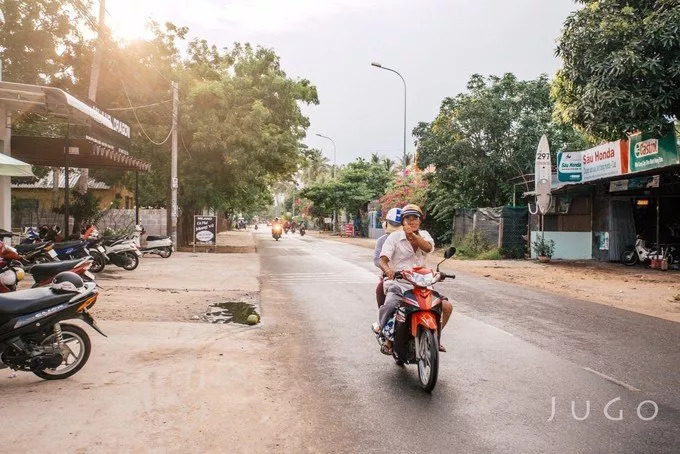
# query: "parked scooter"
{"points": [[641, 253], [44, 273], [149, 244], [414, 329], [122, 252], [33, 337]]}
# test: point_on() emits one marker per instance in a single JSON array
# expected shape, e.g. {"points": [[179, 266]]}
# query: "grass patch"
{"points": [[491, 254]]}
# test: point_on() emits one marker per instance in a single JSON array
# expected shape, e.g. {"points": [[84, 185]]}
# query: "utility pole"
{"points": [[94, 81], [174, 183]]}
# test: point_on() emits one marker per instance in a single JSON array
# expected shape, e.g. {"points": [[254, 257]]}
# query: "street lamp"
{"points": [[332, 173], [378, 65], [333, 142]]}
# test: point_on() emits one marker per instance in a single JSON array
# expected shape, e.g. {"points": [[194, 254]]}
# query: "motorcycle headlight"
{"points": [[20, 273], [423, 280], [8, 277]]}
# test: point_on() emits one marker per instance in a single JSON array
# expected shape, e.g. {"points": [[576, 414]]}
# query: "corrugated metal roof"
{"points": [[73, 175]]}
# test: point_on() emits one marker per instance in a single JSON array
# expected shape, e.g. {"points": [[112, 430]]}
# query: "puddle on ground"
{"points": [[232, 312]]}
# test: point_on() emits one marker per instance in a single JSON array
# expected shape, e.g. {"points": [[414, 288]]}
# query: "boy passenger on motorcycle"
{"points": [[404, 250], [392, 224]]}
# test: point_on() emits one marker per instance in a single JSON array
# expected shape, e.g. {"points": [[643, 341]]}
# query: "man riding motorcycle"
{"points": [[404, 250]]}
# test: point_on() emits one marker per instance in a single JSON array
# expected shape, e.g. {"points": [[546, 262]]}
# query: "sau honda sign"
{"points": [[543, 175]]}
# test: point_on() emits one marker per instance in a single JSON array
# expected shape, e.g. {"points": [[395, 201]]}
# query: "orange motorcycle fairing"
{"points": [[424, 318]]}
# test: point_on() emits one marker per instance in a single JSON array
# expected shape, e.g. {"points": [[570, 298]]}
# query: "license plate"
{"points": [[139, 254], [89, 275], [52, 254]]}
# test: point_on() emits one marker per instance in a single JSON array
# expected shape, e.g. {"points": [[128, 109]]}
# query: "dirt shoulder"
{"points": [[643, 290]]}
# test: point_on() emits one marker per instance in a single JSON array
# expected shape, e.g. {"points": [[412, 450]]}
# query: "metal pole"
{"points": [[137, 197], [658, 216], [66, 188], [173, 166], [378, 65], [335, 212]]}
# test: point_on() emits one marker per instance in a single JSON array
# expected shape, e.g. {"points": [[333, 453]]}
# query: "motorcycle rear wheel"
{"points": [[165, 252], [70, 334], [428, 359], [629, 257], [130, 261]]}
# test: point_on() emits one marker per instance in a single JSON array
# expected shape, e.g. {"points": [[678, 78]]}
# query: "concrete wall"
{"points": [[568, 245], [154, 220]]}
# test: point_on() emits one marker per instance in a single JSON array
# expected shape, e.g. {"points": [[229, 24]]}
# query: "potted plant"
{"points": [[544, 249]]}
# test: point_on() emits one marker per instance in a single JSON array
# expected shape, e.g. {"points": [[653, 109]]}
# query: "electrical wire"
{"points": [[140, 123], [139, 107], [181, 136]]}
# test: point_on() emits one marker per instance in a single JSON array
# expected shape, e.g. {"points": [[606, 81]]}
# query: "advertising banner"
{"points": [[647, 152], [205, 230], [570, 167], [604, 161]]}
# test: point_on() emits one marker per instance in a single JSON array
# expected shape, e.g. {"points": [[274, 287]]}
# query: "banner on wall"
{"points": [[602, 161]]}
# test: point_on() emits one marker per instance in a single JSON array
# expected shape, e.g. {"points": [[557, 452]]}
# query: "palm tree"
{"points": [[375, 158], [388, 164], [314, 168]]}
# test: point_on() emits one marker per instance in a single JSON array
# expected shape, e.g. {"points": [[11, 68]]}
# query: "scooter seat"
{"points": [[24, 302], [24, 248], [67, 244], [52, 268], [156, 238]]}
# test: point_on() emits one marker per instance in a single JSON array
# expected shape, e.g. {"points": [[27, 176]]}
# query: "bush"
{"points": [[491, 254], [472, 245]]}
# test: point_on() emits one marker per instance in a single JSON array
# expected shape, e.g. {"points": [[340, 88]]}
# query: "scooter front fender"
{"points": [[423, 318]]}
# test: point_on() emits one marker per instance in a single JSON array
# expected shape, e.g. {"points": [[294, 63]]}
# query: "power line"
{"points": [[181, 136], [139, 107], [139, 122]]}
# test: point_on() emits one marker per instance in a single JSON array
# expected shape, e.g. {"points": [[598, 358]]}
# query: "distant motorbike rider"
{"points": [[404, 250], [392, 224]]}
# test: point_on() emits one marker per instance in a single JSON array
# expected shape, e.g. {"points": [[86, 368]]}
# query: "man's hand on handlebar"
{"points": [[389, 273]]}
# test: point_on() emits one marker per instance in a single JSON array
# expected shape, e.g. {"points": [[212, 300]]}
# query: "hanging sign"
{"points": [[205, 230], [543, 175]]}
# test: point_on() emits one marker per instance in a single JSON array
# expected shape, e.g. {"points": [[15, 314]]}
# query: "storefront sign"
{"points": [[635, 183], [603, 161], [647, 152], [570, 167], [205, 229]]}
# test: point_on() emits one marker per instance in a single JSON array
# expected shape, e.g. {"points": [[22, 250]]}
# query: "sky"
{"points": [[436, 45]]}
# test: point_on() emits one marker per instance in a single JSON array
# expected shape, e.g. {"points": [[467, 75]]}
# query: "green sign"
{"points": [[569, 167], [647, 152]]}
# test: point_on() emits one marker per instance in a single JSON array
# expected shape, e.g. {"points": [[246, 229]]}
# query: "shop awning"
{"points": [[11, 167], [82, 153], [56, 102]]}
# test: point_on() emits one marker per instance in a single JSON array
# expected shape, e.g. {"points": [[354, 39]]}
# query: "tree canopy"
{"points": [[483, 138], [621, 68]]}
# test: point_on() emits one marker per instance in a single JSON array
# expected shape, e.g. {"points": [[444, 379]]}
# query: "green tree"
{"points": [[484, 137], [621, 66]]}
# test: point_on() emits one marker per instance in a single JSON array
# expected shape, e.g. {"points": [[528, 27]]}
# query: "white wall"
{"points": [[568, 245]]}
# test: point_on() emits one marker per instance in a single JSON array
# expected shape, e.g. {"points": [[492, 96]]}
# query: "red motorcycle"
{"points": [[415, 328], [12, 269]]}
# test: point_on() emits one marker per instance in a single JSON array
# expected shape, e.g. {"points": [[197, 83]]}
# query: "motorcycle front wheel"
{"points": [[428, 359], [629, 257], [98, 262], [78, 347], [130, 261]]}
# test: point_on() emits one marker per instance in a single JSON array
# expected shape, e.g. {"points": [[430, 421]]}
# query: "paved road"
{"points": [[512, 353]]}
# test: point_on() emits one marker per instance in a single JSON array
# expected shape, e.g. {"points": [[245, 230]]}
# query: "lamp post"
{"points": [[378, 65], [332, 174]]}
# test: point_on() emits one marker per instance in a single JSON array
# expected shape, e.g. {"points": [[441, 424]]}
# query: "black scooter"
{"points": [[33, 337]]}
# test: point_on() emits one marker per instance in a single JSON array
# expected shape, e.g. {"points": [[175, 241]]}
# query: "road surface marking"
{"points": [[613, 380]]}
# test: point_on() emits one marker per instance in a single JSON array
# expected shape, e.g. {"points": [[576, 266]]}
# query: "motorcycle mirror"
{"points": [[447, 255]]}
